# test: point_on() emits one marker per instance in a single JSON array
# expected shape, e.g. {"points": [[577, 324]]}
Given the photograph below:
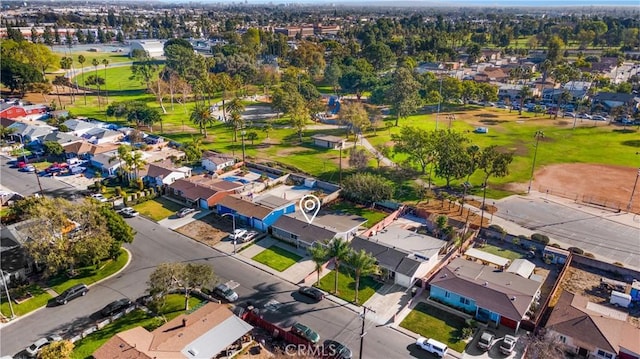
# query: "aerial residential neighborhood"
{"points": [[245, 180]]}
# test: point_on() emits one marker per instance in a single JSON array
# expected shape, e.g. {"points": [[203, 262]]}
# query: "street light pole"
{"points": [[24, 155], [340, 179], [538, 135], [362, 332], [633, 191], [233, 219]]}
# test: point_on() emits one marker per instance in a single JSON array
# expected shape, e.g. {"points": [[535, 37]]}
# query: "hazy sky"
{"points": [[457, 3]]}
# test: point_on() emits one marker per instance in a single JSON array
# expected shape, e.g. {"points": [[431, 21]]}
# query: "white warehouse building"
{"points": [[152, 47]]}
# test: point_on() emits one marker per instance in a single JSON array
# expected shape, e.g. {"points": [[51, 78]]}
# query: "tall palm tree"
{"points": [[122, 156], [236, 122], [95, 63], [318, 253], [338, 250], [235, 107], [201, 116], [105, 63], [66, 63], [137, 162], [81, 61], [363, 264]]}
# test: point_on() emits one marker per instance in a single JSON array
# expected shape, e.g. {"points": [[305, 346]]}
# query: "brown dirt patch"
{"points": [[436, 207], [601, 185], [209, 229]]}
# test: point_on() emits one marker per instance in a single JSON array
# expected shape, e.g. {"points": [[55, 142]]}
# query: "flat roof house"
{"points": [[204, 333], [327, 141], [490, 294], [593, 330]]}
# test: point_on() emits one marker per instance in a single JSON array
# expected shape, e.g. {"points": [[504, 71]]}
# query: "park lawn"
{"points": [[116, 78], [175, 306], [40, 299], [89, 275], [157, 208], [277, 258], [431, 322], [347, 286], [373, 216], [504, 253]]}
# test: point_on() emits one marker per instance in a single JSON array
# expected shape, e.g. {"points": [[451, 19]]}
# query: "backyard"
{"points": [[347, 286], [174, 307], [502, 252], [431, 322], [371, 215], [277, 258], [157, 208]]}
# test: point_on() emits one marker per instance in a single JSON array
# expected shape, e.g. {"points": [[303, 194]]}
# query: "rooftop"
{"points": [[409, 241]]}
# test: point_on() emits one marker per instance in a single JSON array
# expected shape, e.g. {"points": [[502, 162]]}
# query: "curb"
{"points": [[90, 285]]}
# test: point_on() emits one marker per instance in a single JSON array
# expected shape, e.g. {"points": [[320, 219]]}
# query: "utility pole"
{"points": [[538, 135], [633, 191], [439, 102], [340, 179], [362, 332]]}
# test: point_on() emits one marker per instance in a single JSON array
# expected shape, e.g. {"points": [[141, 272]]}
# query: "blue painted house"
{"points": [[491, 295], [258, 213]]}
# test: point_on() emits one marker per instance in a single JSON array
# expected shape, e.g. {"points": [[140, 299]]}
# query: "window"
{"points": [[447, 295], [464, 301], [563, 339], [294, 236], [603, 354]]}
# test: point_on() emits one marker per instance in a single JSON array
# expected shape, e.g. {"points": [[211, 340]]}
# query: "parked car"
{"points": [[72, 293], [598, 118], [35, 348], [77, 169], [432, 346], [486, 340], [185, 211], [337, 350], [508, 344], [128, 212], [237, 234], [248, 236], [28, 168], [305, 332], [311, 292], [115, 306], [223, 291], [570, 114], [99, 197], [585, 116]]}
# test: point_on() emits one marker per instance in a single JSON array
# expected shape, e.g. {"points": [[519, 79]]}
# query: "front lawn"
{"points": [[431, 322], [39, 299], [277, 258], [504, 253], [373, 216], [347, 286], [158, 208], [89, 275], [175, 306]]}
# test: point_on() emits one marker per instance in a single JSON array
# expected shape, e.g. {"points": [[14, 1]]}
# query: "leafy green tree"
{"points": [[363, 264], [339, 250], [119, 230], [403, 94], [252, 136], [57, 350], [53, 148], [493, 163], [319, 255], [6, 131], [379, 55], [185, 277], [332, 74], [358, 158], [144, 69], [452, 160], [18, 76], [354, 116], [554, 49], [441, 224], [366, 188], [418, 144]]}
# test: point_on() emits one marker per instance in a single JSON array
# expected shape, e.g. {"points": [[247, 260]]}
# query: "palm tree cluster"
{"points": [[130, 163], [361, 263]]}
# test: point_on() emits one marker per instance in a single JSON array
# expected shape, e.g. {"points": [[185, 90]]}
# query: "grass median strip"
{"points": [[277, 258]]}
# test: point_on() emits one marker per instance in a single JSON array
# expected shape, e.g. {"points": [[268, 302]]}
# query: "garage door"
{"points": [[508, 322], [624, 355]]}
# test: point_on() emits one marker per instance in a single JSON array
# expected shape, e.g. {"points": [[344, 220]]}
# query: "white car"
{"points": [[33, 349], [432, 346], [237, 234], [128, 212], [249, 235], [508, 344], [598, 118], [99, 197]]}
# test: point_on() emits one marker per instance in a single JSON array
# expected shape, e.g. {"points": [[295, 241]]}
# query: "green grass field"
{"points": [[158, 208], [277, 258], [40, 299], [89, 275], [347, 286], [504, 253], [371, 215], [431, 322], [116, 79]]}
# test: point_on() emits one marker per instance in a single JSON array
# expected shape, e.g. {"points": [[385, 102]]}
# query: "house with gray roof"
{"points": [[299, 232], [400, 266], [100, 135], [30, 132], [78, 127], [164, 173], [592, 330], [489, 294], [62, 138]]}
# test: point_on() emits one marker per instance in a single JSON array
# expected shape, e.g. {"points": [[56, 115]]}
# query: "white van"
{"points": [[432, 346]]}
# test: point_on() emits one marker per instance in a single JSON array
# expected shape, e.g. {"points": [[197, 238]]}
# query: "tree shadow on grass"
{"points": [[631, 143], [625, 130]]}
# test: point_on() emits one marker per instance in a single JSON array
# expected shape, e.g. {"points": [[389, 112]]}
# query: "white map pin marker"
{"points": [[309, 203]]}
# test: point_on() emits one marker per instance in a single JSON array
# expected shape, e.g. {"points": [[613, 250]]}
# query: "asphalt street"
{"points": [[154, 245], [27, 183], [593, 232]]}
